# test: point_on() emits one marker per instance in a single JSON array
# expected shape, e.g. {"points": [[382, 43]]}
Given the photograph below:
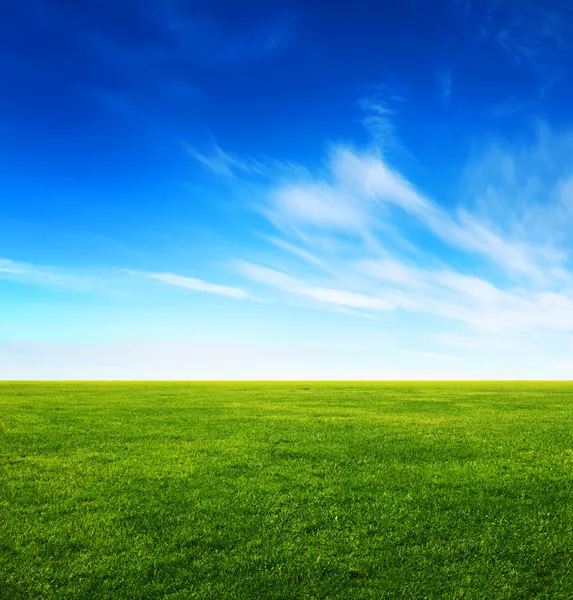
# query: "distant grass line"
{"points": [[286, 490]]}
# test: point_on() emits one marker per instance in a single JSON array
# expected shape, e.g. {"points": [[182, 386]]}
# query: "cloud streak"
{"points": [[198, 285], [326, 295], [107, 281], [49, 277]]}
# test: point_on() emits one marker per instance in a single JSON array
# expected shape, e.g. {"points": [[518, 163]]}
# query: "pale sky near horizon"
{"points": [[286, 190]]}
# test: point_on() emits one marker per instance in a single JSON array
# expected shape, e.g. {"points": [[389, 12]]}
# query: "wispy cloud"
{"points": [[338, 225], [50, 277], [327, 295], [381, 109], [513, 106], [148, 70], [203, 35], [358, 236], [523, 187], [220, 162], [364, 192], [488, 264], [107, 281], [533, 33], [473, 301], [198, 285]]}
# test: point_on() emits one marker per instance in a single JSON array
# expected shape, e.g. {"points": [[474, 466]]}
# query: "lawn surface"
{"points": [[286, 490]]}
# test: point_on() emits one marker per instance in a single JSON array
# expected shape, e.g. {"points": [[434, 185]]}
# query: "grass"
{"points": [[286, 490]]}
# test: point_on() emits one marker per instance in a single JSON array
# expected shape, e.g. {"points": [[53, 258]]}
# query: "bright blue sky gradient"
{"points": [[230, 189]]}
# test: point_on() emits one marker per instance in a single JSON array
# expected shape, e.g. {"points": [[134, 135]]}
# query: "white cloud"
{"points": [[339, 225], [198, 285], [474, 302], [222, 163], [316, 205], [53, 277], [392, 271], [281, 281], [345, 298], [305, 255], [525, 285], [110, 281], [362, 191], [379, 120], [489, 275], [368, 176]]}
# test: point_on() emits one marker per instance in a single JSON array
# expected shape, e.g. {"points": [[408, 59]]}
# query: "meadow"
{"points": [[286, 490]]}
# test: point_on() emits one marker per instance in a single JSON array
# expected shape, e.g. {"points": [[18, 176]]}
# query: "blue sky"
{"points": [[245, 190]]}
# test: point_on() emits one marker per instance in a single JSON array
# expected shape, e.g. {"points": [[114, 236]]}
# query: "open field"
{"points": [[286, 490]]}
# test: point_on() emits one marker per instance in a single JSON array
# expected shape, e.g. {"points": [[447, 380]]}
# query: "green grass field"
{"points": [[286, 490]]}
